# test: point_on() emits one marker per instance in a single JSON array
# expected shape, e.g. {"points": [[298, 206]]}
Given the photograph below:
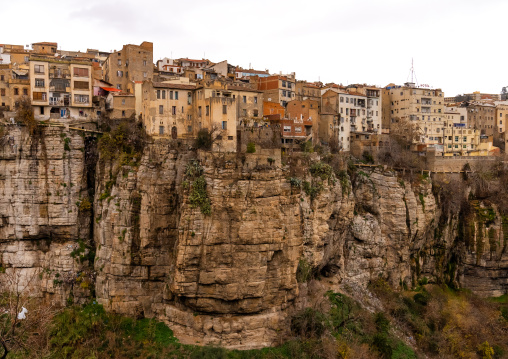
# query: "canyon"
{"points": [[221, 246]]}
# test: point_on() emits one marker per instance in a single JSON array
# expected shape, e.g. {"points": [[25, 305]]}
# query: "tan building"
{"points": [[353, 112], [45, 48], [459, 140], [278, 88], [305, 113], [422, 106], [61, 89], [14, 84], [120, 105], [168, 109], [482, 116], [307, 90], [249, 104], [132, 63], [501, 116]]}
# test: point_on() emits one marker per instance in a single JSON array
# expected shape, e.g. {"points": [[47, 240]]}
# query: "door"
{"points": [[173, 132]]}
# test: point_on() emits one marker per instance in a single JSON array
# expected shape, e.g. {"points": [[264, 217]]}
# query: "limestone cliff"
{"points": [[42, 185], [214, 243]]}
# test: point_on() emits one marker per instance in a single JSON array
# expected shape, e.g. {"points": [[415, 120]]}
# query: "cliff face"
{"points": [[41, 183], [220, 262]]}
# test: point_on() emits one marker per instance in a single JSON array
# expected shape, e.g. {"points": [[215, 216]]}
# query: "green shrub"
{"points": [[303, 271], [251, 147], [309, 323], [198, 196], [204, 140], [321, 170]]}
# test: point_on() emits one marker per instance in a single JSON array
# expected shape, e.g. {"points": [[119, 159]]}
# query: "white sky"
{"points": [[457, 45]]}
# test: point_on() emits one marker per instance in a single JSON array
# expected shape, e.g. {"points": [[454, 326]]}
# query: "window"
{"points": [[39, 69], [80, 72], [347, 111], [161, 109], [283, 92], [81, 85], [144, 63], [25, 91], [224, 125], [341, 110], [176, 95], [26, 58], [1, 77], [283, 83], [230, 138], [123, 113], [119, 73], [39, 96], [456, 138], [244, 112], [39, 82], [224, 109], [81, 98], [173, 110], [287, 128], [189, 98], [123, 101], [170, 95], [256, 113], [158, 94], [161, 130], [199, 111], [244, 99], [145, 74], [119, 62], [118, 86], [207, 110], [255, 99], [16, 91], [189, 128], [2, 92], [465, 139], [298, 129], [347, 99]]}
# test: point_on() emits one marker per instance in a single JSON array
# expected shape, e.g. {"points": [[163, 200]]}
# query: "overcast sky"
{"points": [[457, 45]]}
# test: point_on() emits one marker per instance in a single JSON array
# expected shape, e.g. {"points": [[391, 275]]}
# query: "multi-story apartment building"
{"points": [[482, 116], [278, 88], [459, 140], [454, 114], [350, 111], [249, 104], [61, 89], [307, 90], [305, 117], [133, 63], [501, 115], [168, 110], [422, 106]]}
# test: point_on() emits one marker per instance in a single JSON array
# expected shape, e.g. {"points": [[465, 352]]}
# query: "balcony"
{"points": [[20, 81], [56, 75], [59, 89]]}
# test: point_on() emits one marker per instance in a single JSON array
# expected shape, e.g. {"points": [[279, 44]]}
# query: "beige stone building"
{"points": [[168, 109], [501, 116], [482, 116], [307, 90], [120, 105], [422, 106], [132, 63], [353, 112], [278, 88], [61, 89]]}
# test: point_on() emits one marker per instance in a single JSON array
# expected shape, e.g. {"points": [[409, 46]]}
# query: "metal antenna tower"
{"points": [[412, 75]]}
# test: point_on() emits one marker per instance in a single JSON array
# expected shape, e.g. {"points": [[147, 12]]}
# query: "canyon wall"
{"points": [[216, 244]]}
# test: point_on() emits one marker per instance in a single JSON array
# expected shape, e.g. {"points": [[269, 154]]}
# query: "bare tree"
{"points": [[23, 318], [405, 132]]}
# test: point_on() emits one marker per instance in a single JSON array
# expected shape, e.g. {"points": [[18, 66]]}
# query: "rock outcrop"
{"points": [[214, 244]]}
